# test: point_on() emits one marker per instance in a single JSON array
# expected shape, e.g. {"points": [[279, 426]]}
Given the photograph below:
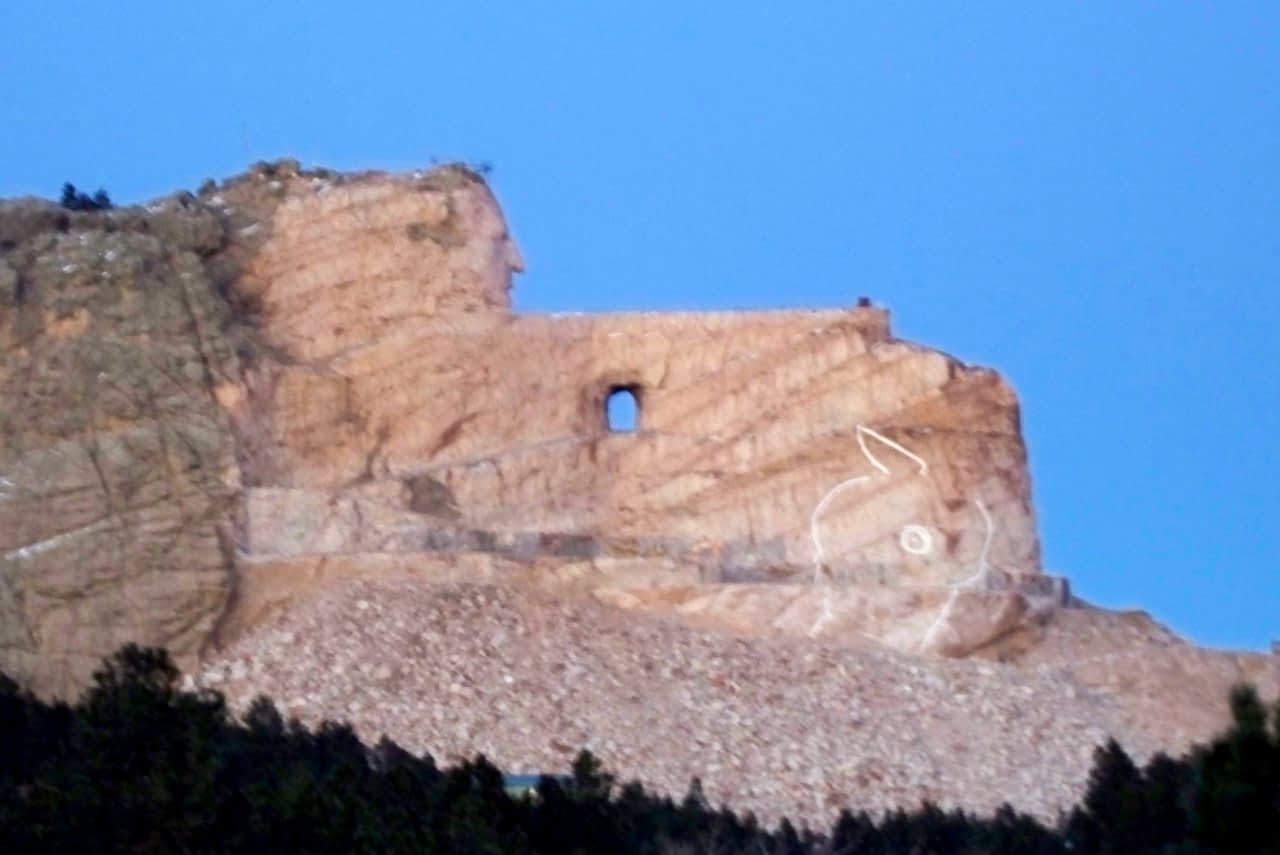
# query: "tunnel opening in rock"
{"points": [[622, 409]]}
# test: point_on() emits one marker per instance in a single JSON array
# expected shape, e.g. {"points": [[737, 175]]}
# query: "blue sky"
{"points": [[1084, 196]]}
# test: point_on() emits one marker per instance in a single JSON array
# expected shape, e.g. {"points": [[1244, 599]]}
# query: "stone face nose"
{"points": [[512, 255]]}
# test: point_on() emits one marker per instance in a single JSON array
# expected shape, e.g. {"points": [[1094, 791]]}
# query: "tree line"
{"points": [[139, 765], [77, 200]]}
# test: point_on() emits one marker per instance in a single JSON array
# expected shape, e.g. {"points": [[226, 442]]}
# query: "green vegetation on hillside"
{"points": [[139, 766]]}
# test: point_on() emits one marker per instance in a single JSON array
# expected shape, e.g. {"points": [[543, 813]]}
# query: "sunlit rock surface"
{"points": [[221, 411]]}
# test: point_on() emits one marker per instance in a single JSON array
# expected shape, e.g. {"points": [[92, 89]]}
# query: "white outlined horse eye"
{"points": [[916, 539]]}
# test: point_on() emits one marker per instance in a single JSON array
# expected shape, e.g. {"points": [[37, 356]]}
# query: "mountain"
{"points": [[291, 428]]}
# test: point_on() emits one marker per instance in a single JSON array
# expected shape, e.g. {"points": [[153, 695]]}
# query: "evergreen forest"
{"points": [[139, 765]]}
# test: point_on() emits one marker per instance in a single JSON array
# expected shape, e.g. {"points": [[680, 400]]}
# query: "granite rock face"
{"points": [[299, 367], [405, 409], [117, 467], [291, 428]]}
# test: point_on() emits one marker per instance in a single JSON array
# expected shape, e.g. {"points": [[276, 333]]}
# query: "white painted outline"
{"points": [[862, 432], [55, 541], [915, 539], [986, 543], [979, 577], [978, 581], [927, 639], [826, 500], [826, 615]]}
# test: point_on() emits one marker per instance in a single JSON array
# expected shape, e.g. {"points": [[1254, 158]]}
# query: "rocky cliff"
{"points": [[149, 375], [211, 400], [217, 408], [117, 465]]}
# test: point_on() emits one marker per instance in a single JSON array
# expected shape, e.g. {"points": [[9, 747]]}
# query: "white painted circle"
{"points": [[916, 539]]}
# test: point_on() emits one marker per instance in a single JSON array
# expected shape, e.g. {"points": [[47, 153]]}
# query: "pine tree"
{"points": [[1112, 818], [1238, 805]]}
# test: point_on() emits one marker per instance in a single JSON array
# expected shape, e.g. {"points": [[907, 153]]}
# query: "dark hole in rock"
{"points": [[622, 410]]}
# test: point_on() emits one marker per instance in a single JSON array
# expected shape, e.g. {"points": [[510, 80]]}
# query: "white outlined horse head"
{"points": [[914, 538], [889, 460]]}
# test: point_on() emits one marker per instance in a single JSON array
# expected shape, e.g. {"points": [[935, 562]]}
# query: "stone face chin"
{"points": [[217, 402]]}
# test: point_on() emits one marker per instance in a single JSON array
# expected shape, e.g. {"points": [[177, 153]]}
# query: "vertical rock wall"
{"points": [[117, 470], [214, 395], [407, 404]]}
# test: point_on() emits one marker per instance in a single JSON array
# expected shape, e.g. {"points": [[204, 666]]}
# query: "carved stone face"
{"points": [[497, 256]]}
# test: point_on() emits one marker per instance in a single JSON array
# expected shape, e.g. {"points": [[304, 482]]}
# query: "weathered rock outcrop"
{"points": [[117, 467], [210, 395], [407, 410], [148, 372], [217, 408]]}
